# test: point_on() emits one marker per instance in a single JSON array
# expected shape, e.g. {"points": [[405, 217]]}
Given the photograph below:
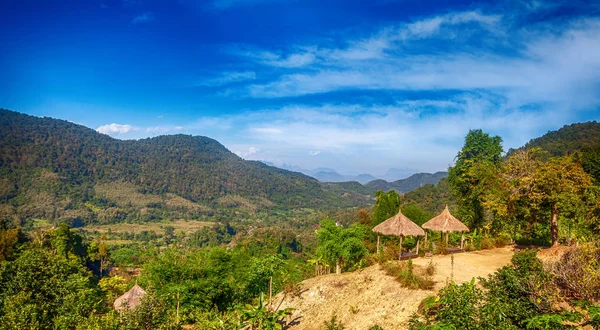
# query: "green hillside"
{"points": [[567, 139], [411, 183], [54, 169]]}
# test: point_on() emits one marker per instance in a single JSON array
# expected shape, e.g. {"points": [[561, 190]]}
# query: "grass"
{"points": [[409, 277], [156, 227], [125, 194]]}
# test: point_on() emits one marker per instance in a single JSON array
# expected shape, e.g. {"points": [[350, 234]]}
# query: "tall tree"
{"points": [[339, 245], [478, 159], [386, 206], [534, 187]]}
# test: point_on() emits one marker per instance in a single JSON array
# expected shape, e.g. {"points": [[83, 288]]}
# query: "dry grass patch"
{"points": [[156, 227]]}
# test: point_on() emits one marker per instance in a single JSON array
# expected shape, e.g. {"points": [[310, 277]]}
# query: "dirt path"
{"points": [[367, 297]]}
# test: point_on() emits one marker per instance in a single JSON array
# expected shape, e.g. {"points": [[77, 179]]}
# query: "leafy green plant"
{"points": [[375, 327], [333, 324], [261, 317]]}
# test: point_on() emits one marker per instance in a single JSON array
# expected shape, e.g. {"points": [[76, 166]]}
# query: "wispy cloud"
{"points": [[537, 64], [143, 18], [116, 129], [227, 78]]}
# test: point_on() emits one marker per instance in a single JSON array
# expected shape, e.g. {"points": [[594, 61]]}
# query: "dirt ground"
{"points": [[367, 297]]}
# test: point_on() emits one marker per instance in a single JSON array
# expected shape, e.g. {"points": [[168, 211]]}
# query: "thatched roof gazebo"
{"points": [[399, 225], [131, 299], [446, 223]]}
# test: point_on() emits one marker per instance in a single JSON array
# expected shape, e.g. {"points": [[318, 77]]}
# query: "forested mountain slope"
{"points": [[409, 184], [51, 168], [567, 139]]}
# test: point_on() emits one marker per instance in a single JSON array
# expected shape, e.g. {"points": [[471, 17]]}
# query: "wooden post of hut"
{"points": [[400, 253], [377, 243]]}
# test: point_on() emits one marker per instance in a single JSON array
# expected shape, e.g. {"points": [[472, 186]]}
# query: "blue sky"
{"points": [[358, 86]]}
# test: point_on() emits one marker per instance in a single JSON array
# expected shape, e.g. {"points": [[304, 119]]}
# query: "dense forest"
{"points": [[54, 169], [409, 184]]}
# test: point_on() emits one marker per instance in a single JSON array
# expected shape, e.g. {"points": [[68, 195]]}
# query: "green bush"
{"points": [[333, 324]]}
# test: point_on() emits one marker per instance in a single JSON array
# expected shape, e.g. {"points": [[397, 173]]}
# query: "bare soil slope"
{"points": [[367, 297]]}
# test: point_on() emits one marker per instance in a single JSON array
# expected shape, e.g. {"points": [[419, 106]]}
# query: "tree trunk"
{"points": [[338, 266], [554, 225], [270, 293]]}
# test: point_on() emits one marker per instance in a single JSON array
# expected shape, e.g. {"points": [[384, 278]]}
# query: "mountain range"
{"points": [[325, 174], [57, 170]]}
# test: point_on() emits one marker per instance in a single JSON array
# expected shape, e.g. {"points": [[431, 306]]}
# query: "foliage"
{"points": [[44, 290], [475, 164], [408, 184], [333, 324], [567, 139], [56, 170], [416, 214], [514, 296], [431, 198], [340, 246], [578, 272], [536, 190], [261, 317], [386, 206]]}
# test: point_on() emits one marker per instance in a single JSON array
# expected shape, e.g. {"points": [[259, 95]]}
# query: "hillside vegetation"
{"points": [[55, 169], [568, 139], [409, 184]]}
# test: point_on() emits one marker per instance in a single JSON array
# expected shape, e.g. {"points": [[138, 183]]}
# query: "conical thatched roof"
{"points": [[445, 222], [131, 299], [399, 225]]}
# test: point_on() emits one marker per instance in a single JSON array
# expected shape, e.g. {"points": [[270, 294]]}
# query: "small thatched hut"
{"points": [[131, 299], [446, 223], [398, 225]]}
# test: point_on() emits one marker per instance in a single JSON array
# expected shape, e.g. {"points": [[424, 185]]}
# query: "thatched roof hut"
{"points": [[131, 299], [446, 223], [398, 225]]}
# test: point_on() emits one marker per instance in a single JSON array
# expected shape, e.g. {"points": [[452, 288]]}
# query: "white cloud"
{"points": [[116, 129], [160, 130], [267, 130], [314, 153], [226, 78], [143, 18], [251, 151]]}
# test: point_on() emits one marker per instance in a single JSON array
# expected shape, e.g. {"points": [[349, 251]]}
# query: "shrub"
{"points": [[333, 324], [375, 327], [405, 273], [488, 243], [578, 272], [503, 239]]}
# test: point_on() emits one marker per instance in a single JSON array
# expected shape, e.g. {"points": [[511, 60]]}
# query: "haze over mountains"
{"points": [[325, 174]]}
